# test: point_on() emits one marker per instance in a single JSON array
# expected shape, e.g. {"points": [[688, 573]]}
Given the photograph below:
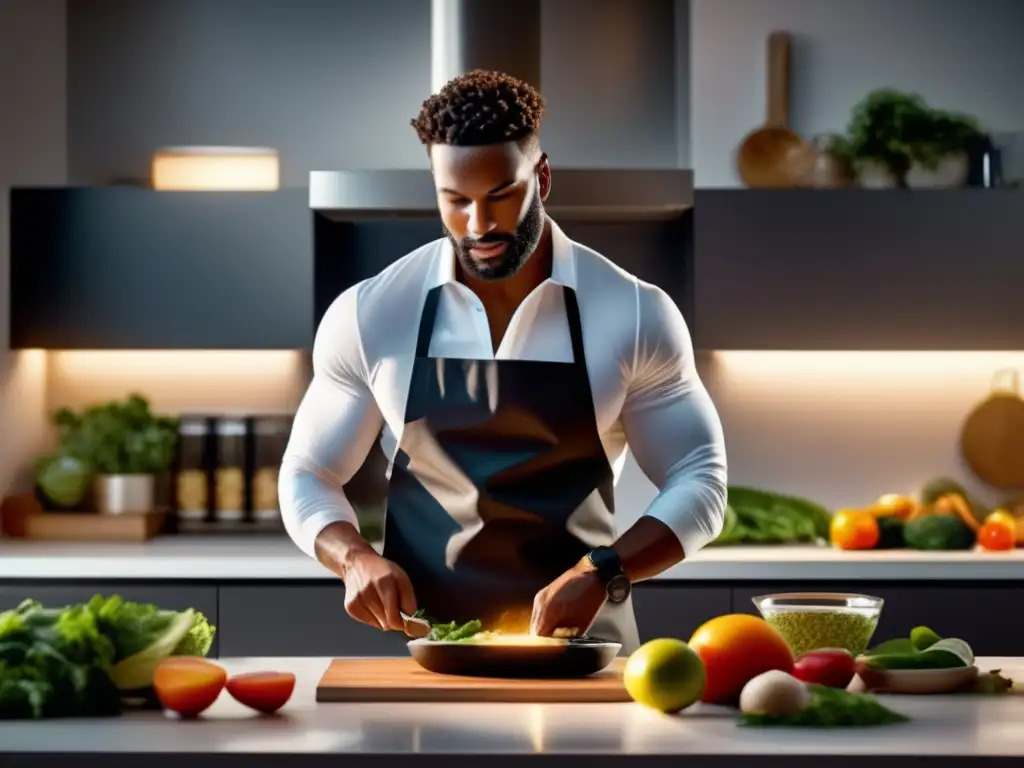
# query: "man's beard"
{"points": [[520, 246]]}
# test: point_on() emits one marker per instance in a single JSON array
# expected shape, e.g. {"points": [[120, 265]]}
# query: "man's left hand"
{"points": [[571, 602]]}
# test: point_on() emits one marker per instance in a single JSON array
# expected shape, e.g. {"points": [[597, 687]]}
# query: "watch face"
{"points": [[618, 588]]}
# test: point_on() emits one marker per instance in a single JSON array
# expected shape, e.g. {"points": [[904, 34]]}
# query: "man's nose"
{"points": [[480, 221]]}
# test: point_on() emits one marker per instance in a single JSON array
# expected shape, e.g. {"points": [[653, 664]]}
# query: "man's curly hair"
{"points": [[480, 108]]}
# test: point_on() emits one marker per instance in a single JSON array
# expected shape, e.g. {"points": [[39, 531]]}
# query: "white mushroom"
{"points": [[774, 693]]}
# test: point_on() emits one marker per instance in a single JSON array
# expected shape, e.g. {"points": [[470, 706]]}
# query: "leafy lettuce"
{"points": [[82, 659], [53, 663]]}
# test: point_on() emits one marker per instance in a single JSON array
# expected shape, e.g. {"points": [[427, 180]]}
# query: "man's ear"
{"points": [[544, 176]]}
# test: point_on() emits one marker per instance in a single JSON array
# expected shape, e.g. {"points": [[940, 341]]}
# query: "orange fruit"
{"points": [[997, 537], [735, 649], [1003, 517], [853, 529]]}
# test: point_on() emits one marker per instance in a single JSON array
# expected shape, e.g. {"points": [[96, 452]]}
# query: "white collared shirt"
{"points": [[647, 395]]}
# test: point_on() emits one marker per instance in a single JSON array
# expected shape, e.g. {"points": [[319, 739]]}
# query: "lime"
{"points": [[63, 480], [923, 637], [665, 674]]}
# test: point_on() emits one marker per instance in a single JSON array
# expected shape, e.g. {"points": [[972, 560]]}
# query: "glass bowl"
{"points": [[812, 620]]}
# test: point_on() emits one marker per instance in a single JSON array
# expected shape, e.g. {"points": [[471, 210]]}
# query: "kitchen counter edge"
{"points": [[237, 558]]}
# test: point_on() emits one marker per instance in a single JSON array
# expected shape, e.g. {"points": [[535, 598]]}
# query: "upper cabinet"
{"points": [[859, 269], [124, 268]]}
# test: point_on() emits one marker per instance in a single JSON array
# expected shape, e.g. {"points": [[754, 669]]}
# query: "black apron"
{"points": [[500, 484]]}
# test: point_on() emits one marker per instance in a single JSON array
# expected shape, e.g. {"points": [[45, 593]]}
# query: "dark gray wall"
{"points": [[33, 141], [333, 83], [959, 54]]}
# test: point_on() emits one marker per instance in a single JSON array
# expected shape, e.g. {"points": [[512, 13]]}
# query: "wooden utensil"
{"points": [[773, 156], [403, 680], [992, 440]]}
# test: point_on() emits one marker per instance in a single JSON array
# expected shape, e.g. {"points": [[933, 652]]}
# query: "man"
{"points": [[508, 368]]}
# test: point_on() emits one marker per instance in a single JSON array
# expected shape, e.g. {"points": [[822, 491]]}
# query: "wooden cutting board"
{"points": [[403, 680]]}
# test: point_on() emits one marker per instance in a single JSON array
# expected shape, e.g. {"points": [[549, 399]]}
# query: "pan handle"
{"points": [[779, 49]]}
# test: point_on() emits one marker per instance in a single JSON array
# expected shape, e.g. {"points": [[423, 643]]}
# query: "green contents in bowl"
{"points": [[812, 620], [808, 630]]}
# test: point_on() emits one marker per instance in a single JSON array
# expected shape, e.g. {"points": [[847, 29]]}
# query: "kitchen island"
{"points": [[268, 599], [944, 731]]}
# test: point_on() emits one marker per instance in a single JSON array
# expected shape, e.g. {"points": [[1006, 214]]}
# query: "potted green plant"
{"points": [[123, 445], [895, 139]]}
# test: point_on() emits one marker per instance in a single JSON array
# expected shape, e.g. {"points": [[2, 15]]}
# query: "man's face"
{"points": [[491, 203]]}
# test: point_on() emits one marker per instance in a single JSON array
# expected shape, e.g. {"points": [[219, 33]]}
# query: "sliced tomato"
{"points": [[263, 691], [188, 686]]}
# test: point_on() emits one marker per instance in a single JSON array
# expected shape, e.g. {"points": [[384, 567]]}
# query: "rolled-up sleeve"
{"points": [[334, 429], [672, 426]]}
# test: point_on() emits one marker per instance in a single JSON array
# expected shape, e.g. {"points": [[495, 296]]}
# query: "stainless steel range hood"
{"points": [[484, 34]]}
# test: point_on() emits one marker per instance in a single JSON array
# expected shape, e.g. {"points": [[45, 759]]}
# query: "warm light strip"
{"points": [[185, 363], [216, 169], [181, 380], [892, 373], [879, 361]]}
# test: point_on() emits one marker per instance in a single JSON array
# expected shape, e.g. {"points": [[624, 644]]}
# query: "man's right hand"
{"points": [[376, 589]]}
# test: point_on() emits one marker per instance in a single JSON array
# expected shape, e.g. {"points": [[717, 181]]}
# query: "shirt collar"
{"points": [[563, 260]]}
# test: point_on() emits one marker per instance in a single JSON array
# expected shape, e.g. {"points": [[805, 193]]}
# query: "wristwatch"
{"points": [[608, 564]]}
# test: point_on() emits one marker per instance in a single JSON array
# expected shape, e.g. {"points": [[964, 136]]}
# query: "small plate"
{"points": [[915, 681]]}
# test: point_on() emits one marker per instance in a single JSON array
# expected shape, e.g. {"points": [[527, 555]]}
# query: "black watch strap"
{"points": [[610, 573], [606, 562]]}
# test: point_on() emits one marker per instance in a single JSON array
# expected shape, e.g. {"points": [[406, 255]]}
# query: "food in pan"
{"points": [[473, 632], [451, 632]]}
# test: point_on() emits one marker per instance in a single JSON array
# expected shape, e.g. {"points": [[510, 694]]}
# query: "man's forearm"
{"points": [[648, 548], [338, 545]]}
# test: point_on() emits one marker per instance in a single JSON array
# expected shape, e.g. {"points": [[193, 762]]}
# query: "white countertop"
{"points": [[229, 558], [958, 725]]}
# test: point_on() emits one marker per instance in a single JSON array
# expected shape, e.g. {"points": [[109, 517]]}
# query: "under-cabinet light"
{"points": [[216, 169], [865, 373]]}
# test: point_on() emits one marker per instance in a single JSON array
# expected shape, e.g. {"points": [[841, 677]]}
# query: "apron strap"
{"points": [[427, 322], [572, 315]]}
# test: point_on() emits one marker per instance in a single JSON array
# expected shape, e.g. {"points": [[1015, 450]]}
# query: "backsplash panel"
{"points": [[839, 427], [845, 427]]}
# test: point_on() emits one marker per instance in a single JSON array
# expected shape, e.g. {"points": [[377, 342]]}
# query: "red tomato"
{"points": [[265, 692], [188, 685], [834, 667], [997, 537], [735, 649]]}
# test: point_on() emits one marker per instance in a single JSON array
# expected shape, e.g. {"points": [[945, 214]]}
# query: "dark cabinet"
{"points": [[978, 613], [173, 598], [298, 620], [859, 269], [124, 268], [310, 620], [676, 609]]}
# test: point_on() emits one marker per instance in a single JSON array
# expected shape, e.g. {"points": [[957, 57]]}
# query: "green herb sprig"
{"points": [[830, 708]]}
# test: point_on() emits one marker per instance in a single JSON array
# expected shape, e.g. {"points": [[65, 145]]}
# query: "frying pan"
{"points": [[575, 657], [773, 156]]}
